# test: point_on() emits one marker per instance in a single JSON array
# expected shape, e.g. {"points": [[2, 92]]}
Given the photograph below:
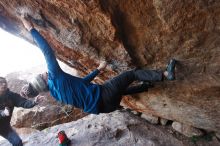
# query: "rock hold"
{"points": [[186, 130], [163, 121], [150, 118], [116, 128]]}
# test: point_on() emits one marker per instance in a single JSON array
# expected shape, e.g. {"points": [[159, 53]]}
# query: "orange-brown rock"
{"points": [[130, 33]]}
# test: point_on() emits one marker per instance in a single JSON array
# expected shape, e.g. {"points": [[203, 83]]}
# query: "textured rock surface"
{"points": [[132, 33], [117, 128], [26, 131], [150, 118], [163, 121], [186, 130], [218, 135], [41, 117]]}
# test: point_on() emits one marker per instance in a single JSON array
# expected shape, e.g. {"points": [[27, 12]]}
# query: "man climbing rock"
{"points": [[80, 92], [9, 100]]}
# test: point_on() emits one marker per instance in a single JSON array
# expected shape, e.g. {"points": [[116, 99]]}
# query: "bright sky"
{"points": [[16, 54]]}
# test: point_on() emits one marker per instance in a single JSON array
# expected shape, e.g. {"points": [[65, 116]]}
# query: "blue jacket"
{"points": [[68, 89]]}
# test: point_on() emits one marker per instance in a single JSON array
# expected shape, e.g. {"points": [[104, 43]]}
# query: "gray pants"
{"points": [[9, 134], [113, 89]]}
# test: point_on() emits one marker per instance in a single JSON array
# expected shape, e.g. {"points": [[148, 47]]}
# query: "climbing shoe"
{"points": [[171, 69]]}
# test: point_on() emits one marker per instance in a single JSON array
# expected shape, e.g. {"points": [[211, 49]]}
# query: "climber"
{"points": [[9, 100], [80, 92]]}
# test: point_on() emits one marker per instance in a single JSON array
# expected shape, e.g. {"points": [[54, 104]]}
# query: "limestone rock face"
{"points": [[150, 118], [130, 33], [41, 117], [117, 128], [186, 130]]}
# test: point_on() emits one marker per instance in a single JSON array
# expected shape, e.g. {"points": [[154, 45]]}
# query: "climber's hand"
{"points": [[27, 24], [102, 65]]}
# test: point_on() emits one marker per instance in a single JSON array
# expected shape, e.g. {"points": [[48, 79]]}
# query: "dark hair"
{"points": [[29, 91]]}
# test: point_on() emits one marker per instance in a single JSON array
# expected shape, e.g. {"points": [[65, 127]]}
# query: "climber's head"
{"points": [[35, 86]]}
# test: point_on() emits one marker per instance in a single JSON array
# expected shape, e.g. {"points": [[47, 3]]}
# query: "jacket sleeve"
{"points": [[21, 101], [52, 64], [91, 76], [2, 115]]}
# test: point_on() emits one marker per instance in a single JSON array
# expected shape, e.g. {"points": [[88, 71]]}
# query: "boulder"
{"points": [[150, 118], [116, 128], [41, 117], [186, 130], [217, 135], [47, 113]]}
